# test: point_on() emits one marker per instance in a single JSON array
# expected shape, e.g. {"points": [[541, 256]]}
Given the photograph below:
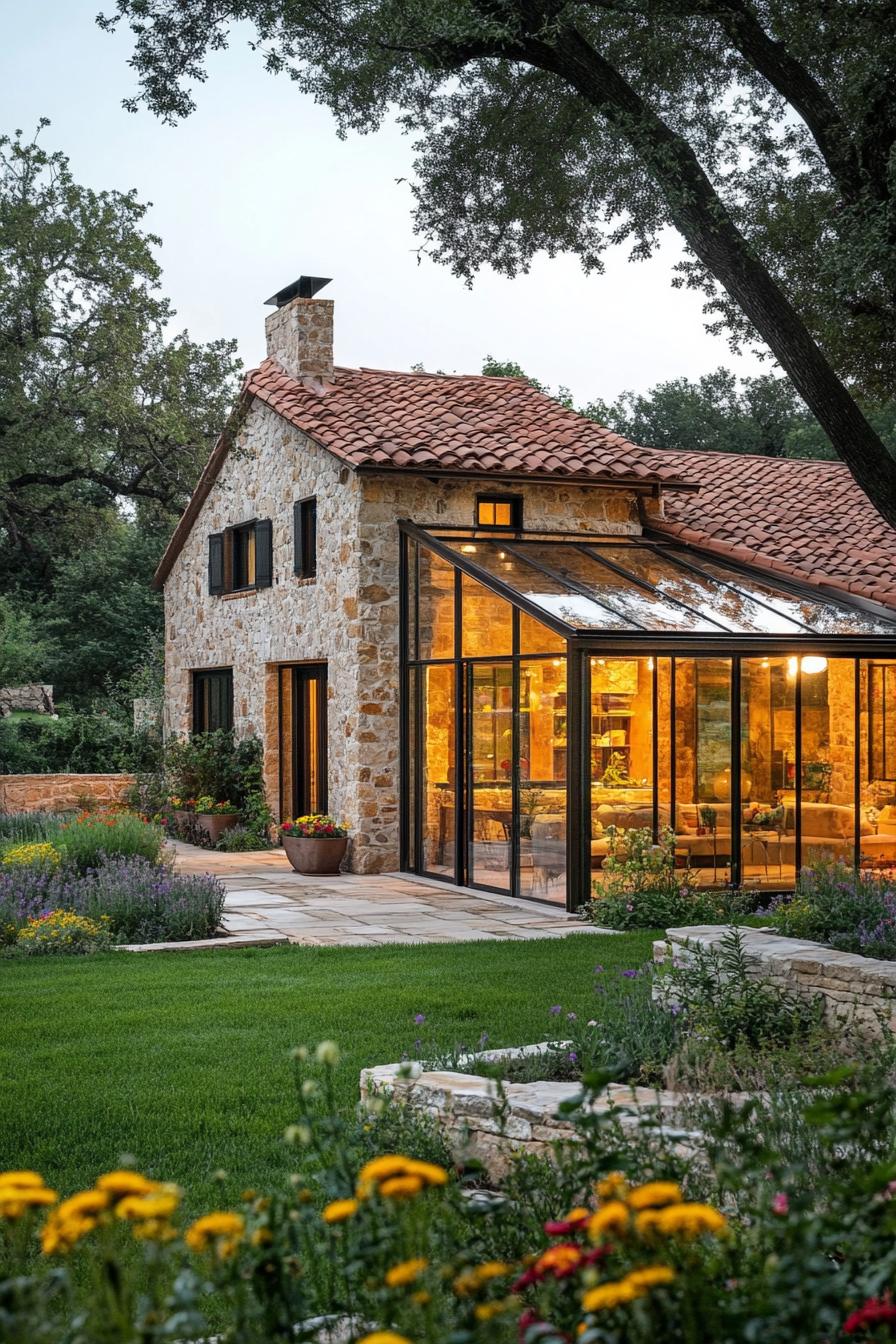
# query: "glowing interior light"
{"points": [[468, 550], [792, 665], [812, 663], [649, 664]]}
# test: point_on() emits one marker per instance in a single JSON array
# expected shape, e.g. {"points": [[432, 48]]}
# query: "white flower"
{"points": [[327, 1053]]}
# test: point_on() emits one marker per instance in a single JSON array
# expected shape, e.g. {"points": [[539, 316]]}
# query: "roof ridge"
{"points": [[754, 457]]}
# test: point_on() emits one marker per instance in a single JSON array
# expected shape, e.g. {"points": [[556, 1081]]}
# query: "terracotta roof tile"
{"points": [[441, 422], [806, 519]]}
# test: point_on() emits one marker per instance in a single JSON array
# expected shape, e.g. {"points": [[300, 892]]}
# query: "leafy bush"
{"points": [[81, 742], [144, 902], [19, 828], [213, 766], [643, 889], [851, 910], [94, 836], [62, 931], [38, 854], [385, 1241], [242, 839], [151, 903]]}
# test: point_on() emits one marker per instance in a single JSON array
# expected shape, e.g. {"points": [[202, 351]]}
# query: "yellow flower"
{"points": [[339, 1209], [401, 1187], [137, 1207], [380, 1171], [469, 1280], [262, 1236], [385, 1337], [60, 1234], [85, 1204], [647, 1224], [221, 1231], [154, 1229], [421, 1298], [26, 1179], [121, 1183], [486, 1311], [429, 1172], [652, 1276], [559, 1259], [613, 1186], [690, 1221], [610, 1295], [611, 1218], [654, 1195], [16, 1199], [406, 1272]]}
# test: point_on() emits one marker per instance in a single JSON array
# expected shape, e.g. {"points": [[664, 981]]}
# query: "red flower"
{"points": [[876, 1311], [563, 1227]]}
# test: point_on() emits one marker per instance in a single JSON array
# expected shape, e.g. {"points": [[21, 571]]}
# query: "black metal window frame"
{"points": [[228, 557], [515, 504], [306, 679], [304, 513], [206, 683], [581, 646]]}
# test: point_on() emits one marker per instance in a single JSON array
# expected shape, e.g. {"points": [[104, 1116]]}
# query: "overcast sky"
{"points": [[255, 188]]}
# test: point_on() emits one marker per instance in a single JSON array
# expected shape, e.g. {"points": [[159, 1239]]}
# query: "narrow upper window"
{"points": [[240, 559], [499, 511], [212, 700], [304, 515]]}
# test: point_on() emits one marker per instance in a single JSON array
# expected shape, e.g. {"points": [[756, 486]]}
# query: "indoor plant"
{"points": [[314, 844]]}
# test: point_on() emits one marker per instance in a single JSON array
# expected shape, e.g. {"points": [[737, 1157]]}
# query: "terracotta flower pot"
{"points": [[315, 855], [215, 823]]}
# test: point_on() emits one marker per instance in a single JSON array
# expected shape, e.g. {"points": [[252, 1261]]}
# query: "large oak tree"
{"points": [[762, 130]]}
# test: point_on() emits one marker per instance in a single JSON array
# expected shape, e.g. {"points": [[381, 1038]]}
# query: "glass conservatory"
{"points": [[555, 687]]}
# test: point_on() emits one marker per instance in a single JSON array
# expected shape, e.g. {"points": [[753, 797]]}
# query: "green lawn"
{"points": [[181, 1059]]}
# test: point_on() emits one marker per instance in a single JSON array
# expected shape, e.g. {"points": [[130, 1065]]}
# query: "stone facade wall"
{"points": [[346, 617], [60, 793], [860, 991]]}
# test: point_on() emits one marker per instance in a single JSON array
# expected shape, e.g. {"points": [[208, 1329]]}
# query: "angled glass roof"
{"points": [[612, 584]]}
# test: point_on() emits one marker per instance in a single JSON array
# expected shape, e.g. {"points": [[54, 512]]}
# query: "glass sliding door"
{"points": [[490, 756], [438, 770], [542, 775], [768, 772], [703, 740], [827, 768], [619, 729]]}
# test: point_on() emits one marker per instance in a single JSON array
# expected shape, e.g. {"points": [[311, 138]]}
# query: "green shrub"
{"points": [[63, 932], [845, 908], [242, 839], [93, 836], [213, 765], [26, 828]]}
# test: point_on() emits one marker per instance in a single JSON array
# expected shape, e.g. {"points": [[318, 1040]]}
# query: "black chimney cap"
{"points": [[304, 288]]}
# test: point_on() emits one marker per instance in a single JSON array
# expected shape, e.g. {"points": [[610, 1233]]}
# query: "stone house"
{"points": [[483, 629]]}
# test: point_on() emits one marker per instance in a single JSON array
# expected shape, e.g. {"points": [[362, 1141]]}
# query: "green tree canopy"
{"points": [[762, 130], [98, 404]]}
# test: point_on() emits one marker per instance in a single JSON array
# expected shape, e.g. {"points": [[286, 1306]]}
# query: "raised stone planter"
{"points": [[523, 1120], [857, 990], [60, 793]]}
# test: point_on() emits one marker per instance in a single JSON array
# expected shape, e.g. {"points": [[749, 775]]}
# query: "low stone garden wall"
{"points": [[60, 793], [857, 990], [496, 1128]]}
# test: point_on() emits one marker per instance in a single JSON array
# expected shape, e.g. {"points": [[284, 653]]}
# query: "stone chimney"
{"points": [[300, 331]]}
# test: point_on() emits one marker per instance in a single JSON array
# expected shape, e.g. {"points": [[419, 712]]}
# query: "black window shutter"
{"points": [[216, 562], [311, 538], [264, 554]]}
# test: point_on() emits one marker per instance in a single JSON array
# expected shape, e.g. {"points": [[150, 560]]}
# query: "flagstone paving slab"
{"points": [[265, 898]]}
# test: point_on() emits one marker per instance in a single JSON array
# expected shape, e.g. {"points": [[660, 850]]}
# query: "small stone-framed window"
{"points": [[304, 523], [213, 700], [240, 559], [499, 512]]}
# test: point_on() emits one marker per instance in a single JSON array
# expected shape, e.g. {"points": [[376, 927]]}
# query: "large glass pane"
{"points": [[728, 607], [542, 776], [439, 770], [663, 730], [490, 689], [877, 742], [551, 595], [768, 768], [412, 741], [633, 605], [487, 621], [538, 638], [436, 606], [827, 775], [621, 741], [703, 767]]}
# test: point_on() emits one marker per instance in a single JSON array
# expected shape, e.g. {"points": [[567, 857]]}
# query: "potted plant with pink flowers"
{"points": [[315, 844]]}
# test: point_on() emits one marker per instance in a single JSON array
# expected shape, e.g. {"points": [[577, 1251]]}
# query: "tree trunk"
{"points": [[704, 223]]}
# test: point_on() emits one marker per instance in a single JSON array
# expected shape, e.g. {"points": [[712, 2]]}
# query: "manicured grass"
{"points": [[181, 1059]]}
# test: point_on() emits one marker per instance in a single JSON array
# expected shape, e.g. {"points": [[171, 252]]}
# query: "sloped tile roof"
{"points": [[452, 423], [804, 519]]}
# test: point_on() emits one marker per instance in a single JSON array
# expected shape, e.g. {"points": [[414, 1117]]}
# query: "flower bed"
{"points": [[622, 1242], [106, 871]]}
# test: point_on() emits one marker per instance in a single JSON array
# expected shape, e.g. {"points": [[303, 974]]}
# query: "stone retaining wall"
{"points": [[857, 990], [496, 1129], [59, 793]]}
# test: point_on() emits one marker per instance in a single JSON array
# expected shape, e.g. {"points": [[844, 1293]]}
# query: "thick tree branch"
{"points": [[704, 223], [114, 484]]}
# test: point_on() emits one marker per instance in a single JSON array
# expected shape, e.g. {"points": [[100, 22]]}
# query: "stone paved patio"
{"points": [[267, 902]]}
